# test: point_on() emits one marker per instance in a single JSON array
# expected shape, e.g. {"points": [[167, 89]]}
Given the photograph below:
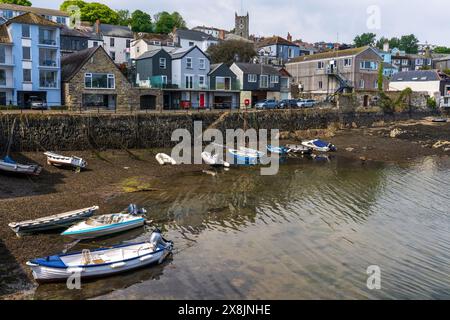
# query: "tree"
{"points": [[409, 44], [18, 2], [141, 22], [230, 51], [365, 39], [380, 76], [93, 11], [442, 50], [166, 22], [124, 17]]}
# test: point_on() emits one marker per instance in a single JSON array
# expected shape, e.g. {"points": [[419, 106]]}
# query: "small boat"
{"points": [[245, 156], [163, 159], [213, 160], [9, 165], [319, 145], [106, 225], [58, 160], [101, 262], [277, 150], [292, 148], [52, 222], [439, 120]]}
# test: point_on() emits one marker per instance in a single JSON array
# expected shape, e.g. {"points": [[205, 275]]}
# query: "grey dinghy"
{"points": [[52, 222], [102, 262]]}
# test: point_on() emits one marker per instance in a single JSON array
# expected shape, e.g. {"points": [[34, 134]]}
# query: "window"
{"points": [[99, 81], [157, 43], [202, 63], [48, 79], [291, 53], [25, 31], [320, 65], [112, 54], [26, 53], [61, 20], [201, 81], [320, 85], [189, 63], [264, 81], [164, 79], [26, 75], [112, 42], [47, 37], [8, 14], [369, 65], [95, 44], [2, 78], [2, 98], [253, 78], [189, 82], [375, 84], [348, 62], [274, 79], [162, 63], [2, 54], [128, 44], [191, 44], [223, 83], [361, 84], [138, 49]]}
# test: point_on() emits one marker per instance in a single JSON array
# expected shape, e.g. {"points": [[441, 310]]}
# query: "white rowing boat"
{"points": [[63, 161], [9, 165], [319, 145], [102, 262], [164, 159], [213, 160], [52, 222]]}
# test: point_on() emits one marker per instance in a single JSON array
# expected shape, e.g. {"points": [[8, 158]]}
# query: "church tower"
{"points": [[242, 26]]}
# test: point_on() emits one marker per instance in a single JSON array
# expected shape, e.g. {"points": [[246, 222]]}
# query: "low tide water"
{"points": [[309, 232]]}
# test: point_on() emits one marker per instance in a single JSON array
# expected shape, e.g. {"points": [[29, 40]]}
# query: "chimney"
{"points": [[222, 34], [97, 26], [386, 46], [174, 30], [289, 37]]}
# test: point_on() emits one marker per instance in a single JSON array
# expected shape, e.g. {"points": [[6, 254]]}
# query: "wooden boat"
{"points": [[9, 165], [299, 149], [319, 145], [277, 150], [104, 225], [213, 160], [101, 262], [63, 161], [164, 159], [52, 222]]}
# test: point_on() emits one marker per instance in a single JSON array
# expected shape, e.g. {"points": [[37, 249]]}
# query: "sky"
{"points": [[309, 20]]}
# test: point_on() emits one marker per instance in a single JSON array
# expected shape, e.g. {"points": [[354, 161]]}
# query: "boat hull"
{"points": [[62, 161], [45, 274], [20, 168]]}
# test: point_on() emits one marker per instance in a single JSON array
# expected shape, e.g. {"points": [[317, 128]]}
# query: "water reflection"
{"points": [[310, 232]]}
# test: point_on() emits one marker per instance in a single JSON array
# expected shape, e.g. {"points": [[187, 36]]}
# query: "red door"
{"points": [[202, 100]]}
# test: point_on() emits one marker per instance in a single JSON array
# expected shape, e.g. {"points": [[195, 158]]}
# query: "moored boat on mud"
{"points": [[246, 156], [101, 262], [298, 149], [164, 159], [278, 150], [9, 165], [213, 160], [52, 222], [63, 161], [319, 145]]}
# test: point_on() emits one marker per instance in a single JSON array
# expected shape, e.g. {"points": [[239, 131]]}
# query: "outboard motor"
{"points": [[156, 239], [133, 210]]}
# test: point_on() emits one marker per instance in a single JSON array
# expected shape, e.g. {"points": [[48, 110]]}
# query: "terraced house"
{"points": [[337, 71], [9, 11], [30, 61]]}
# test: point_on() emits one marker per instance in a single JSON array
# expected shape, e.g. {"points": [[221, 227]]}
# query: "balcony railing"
{"points": [[48, 63], [48, 84], [47, 42]]}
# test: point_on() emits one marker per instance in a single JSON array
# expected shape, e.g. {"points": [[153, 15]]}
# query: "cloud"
{"points": [[310, 20]]}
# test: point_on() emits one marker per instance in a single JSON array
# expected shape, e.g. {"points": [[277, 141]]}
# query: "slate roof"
{"points": [[32, 18], [330, 54], [214, 67], [70, 64], [194, 35], [68, 32], [154, 37], [418, 75], [149, 54], [39, 11], [110, 30], [178, 54], [252, 68], [275, 40]]}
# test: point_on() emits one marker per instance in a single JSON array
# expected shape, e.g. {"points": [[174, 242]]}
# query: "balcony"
{"points": [[47, 42], [48, 63]]}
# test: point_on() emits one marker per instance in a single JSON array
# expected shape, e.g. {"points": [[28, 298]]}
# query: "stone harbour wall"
{"points": [[71, 132]]}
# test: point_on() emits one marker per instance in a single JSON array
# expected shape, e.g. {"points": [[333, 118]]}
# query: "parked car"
{"points": [[306, 103], [287, 104], [37, 103], [267, 104]]}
